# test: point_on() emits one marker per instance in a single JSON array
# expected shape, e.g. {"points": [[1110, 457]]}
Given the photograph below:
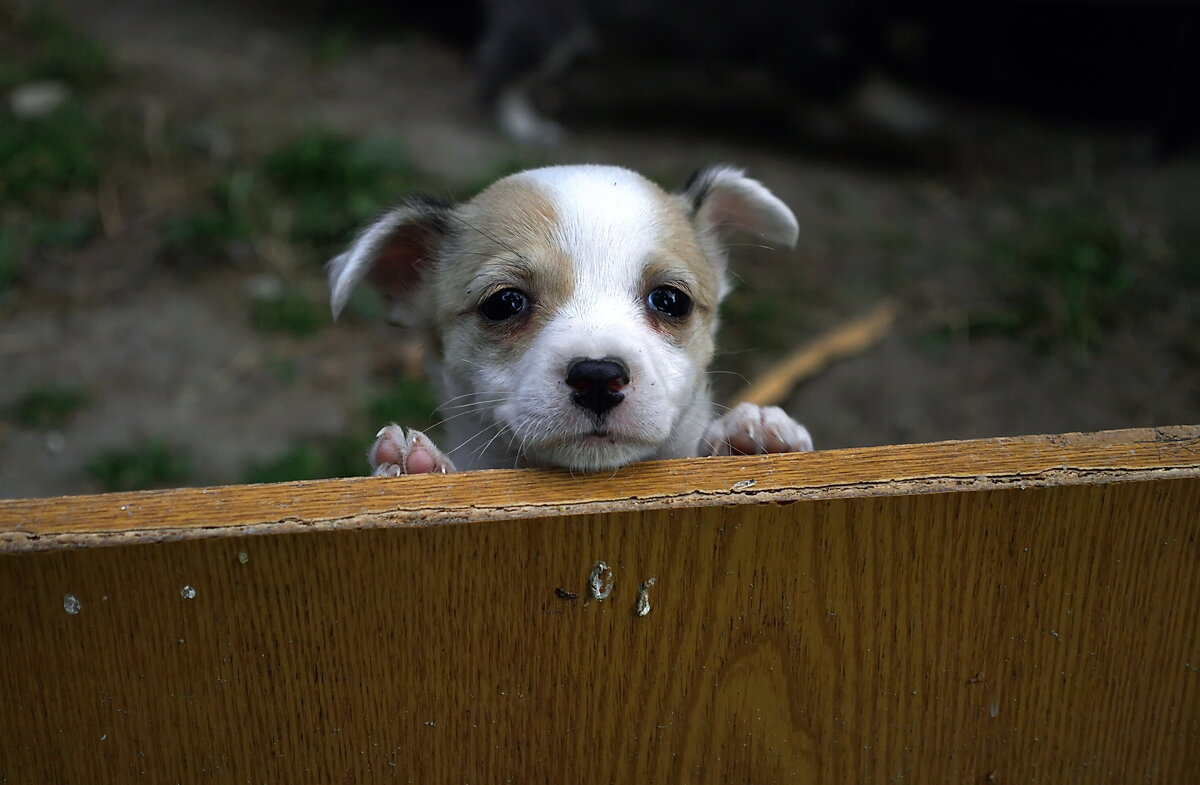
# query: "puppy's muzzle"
{"points": [[597, 384]]}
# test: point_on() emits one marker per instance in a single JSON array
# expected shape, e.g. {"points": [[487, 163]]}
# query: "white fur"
{"points": [[607, 226]]}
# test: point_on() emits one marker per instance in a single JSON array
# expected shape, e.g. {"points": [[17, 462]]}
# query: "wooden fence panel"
{"points": [[1020, 610]]}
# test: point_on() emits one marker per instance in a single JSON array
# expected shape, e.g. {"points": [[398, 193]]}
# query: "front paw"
{"points": [[395, 453], [747, 429]]}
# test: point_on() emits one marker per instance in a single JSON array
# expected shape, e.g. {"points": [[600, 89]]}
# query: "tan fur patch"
{"points": [[680, 260], [503, 238]]}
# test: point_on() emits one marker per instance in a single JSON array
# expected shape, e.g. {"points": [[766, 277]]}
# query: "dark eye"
{"points": [[669, 301], [504, 304]]}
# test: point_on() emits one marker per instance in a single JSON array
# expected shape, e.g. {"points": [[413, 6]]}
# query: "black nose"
{"points": [[597, 383]]}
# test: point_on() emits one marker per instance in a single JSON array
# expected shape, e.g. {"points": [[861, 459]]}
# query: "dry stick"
{"points": [[851, 338]]}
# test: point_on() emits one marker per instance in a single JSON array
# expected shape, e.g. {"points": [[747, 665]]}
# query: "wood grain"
{"points": [[1035, 624], [365, 502]]}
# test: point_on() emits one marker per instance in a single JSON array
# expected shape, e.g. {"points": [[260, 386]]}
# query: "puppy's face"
{"points": [[581, 304], [571, 310]]}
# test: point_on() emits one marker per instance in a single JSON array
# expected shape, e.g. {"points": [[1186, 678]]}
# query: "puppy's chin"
{"points": [[590, 453]]}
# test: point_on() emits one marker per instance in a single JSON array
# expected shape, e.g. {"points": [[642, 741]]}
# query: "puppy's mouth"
{"points": [[600, 436], [586, 443]]}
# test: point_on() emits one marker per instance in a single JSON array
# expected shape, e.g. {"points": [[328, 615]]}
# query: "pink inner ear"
{"points": [[728, 210], [399, 263], [744, 205]]}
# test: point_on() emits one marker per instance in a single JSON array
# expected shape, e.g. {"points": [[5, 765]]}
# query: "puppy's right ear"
{"points": [[394, 254], [724, 201]]}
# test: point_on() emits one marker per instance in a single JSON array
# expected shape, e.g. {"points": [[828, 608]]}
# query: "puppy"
{"points": [[568, 316]]}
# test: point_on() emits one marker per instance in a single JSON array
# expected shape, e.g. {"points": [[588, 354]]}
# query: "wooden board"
{"points": [[364, 502], [1020, 610]]}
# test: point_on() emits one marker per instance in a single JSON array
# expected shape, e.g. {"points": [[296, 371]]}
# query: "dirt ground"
{"points": [[1048, 274]]}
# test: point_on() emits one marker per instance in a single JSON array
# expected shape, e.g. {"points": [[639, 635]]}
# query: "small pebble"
{"points": [[37, 99]]}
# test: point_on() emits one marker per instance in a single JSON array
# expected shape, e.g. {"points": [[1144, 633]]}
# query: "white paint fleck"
{"points": [[243, 557], [994, 709], [742, 485], [188, 592], [643, 600], [601, 581], [71, 604]]}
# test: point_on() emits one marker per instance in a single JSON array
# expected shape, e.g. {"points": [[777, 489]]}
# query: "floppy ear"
{"points": [[393, 253], [724, 201]]}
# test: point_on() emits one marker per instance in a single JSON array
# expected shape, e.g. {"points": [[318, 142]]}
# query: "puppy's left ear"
{"points": [[724, 201], [394, 254]]}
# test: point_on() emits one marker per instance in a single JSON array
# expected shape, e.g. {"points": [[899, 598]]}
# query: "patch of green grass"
{"points": [[896, 241], [65, 52], [19, 238], [977, 322], [205, 230], [1059, 277], [288, 312], [1185, 245], [150, 463], [73, 232], [315, 190], [752, 318], [410, 402], [229, 216], [335, 45], [284, 368], [47, 154], [331, 184], [10, 258], [48, 406], [341, 457], [40, 43]]}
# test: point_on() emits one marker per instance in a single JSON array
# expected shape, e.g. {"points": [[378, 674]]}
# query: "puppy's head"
{"points": [[572, 308]]}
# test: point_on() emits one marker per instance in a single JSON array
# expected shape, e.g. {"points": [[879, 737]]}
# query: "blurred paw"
{"points": [[522, 123], [747, 429]]}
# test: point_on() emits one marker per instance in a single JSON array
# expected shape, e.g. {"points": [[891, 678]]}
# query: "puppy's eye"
{"points": [[504, 304], [669, 301]]}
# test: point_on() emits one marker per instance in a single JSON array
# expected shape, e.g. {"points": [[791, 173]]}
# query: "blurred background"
{"points": [[1023, 182]]}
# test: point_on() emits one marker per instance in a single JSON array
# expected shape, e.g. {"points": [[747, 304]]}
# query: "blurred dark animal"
{"points": [[809, 46], [1130, 63]]}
